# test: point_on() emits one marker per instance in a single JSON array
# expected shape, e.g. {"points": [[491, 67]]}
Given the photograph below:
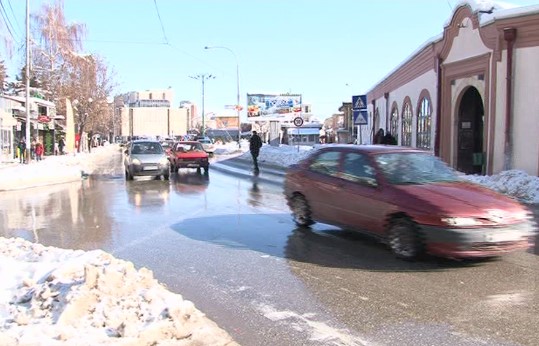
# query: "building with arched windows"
{"points": [[470, 95]]}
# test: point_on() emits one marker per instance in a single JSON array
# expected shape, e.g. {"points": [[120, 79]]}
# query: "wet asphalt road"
{"points": [[227, 243]]}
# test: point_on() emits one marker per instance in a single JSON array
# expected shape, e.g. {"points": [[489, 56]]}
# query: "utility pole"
{"points": [[238, 107], [27, 134], [203, 77]]}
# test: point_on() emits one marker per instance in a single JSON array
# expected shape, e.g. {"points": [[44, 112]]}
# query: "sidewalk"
{"points": [[49, 171]]}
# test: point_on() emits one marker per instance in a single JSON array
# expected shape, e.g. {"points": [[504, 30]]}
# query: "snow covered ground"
{"points": [[51, 296]]}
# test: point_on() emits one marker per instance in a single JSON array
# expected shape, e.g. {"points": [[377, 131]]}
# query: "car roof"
{"points": [[145, 141], [372, 148]]}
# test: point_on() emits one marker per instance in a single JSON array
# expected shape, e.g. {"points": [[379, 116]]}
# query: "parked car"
{"points": [[408, 198], [207, 144], [145, 158], [188, 154]]}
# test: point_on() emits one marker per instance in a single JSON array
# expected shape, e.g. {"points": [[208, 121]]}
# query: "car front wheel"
{"points": [[301, 211], [404, 239]]}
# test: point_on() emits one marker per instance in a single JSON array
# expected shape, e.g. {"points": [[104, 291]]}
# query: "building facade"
{"points": [[43, 124], [150, 113], [469, 95]]}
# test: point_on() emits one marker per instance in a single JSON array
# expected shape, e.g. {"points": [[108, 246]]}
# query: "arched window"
{"points": [[394, 122], [424, 121], [407, 125], [376, 123]]}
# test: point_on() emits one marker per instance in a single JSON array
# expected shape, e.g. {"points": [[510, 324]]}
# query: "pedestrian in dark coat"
{"points": [[379, 137], [255, 143], [61, 145], [22, 150], [390, 139]]}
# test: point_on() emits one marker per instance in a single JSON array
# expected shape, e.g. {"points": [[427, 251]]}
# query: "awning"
{"points": [[22, 100]]}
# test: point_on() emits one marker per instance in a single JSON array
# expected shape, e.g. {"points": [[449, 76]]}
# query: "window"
{"points": [[414, 168], [424, 118], [407, 125], [394, 122], [327, 163], [357, 168]]}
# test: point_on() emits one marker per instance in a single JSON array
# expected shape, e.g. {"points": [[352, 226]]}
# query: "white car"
{"points": [[146, 158], [207, 144]]}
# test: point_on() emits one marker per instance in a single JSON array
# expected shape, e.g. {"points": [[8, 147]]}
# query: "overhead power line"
{"points": [[14, 16], [160, 21], [7, 21]]}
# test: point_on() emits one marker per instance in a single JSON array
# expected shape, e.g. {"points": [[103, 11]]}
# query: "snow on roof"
{"points": [[22, 100], [500, 10]]}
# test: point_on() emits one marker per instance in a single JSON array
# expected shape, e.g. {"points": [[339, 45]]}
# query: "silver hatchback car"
{"points": [[146, 158]]}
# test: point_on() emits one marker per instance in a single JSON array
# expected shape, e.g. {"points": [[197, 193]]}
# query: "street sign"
{"points": [[359, 109], [298, 121]]}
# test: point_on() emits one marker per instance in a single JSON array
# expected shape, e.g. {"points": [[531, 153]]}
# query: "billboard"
{"points": [[271, 105]]}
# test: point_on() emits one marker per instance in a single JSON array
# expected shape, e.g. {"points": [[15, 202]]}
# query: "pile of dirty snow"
{"points": [[51, 296], [515, 183]]}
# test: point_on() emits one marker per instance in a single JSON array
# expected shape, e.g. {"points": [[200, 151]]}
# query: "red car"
{"points": [[188, 154], [407, 197]]}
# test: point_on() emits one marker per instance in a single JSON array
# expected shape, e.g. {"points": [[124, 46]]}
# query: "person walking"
{"points": [[33, 149], [255, 143], [61, 145], [22, 150], [39, 151]]}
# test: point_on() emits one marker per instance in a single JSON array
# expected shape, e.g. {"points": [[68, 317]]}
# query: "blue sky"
{"points": [[325, 50]]}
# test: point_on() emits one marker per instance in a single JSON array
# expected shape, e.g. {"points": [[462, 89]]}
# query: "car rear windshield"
{"points": [[414, 168], [142, 148], [189, 147]]}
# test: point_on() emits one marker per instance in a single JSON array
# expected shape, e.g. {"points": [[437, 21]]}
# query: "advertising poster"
{"points": [[266, 105]]}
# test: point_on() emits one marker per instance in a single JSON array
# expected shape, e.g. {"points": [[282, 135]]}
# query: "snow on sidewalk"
{"points": [[51, 296]]}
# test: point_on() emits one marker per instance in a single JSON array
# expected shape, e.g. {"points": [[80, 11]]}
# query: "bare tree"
{"points": [[56, 47], [3, 77], [67, 73], [89, 86]]}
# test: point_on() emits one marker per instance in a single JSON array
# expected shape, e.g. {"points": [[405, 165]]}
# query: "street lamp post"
{"points": [[237, 86], [203, 77]]}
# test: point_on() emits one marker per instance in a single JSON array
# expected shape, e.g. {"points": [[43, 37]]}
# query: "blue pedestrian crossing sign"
{"points": [[359, 109]]}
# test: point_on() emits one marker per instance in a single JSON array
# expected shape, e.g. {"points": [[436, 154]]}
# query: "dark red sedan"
{"points": [[407, 197], [188, 154]]}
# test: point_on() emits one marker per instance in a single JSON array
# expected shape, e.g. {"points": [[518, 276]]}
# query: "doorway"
{"points": [[470, 156]]}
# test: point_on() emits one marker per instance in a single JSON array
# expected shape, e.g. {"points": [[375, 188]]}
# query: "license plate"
{"points": [[496, 237], [150, 168]]}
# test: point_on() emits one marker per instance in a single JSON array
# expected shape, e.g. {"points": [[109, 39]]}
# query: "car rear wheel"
{"points": [[404, 239], [301, 211]]}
